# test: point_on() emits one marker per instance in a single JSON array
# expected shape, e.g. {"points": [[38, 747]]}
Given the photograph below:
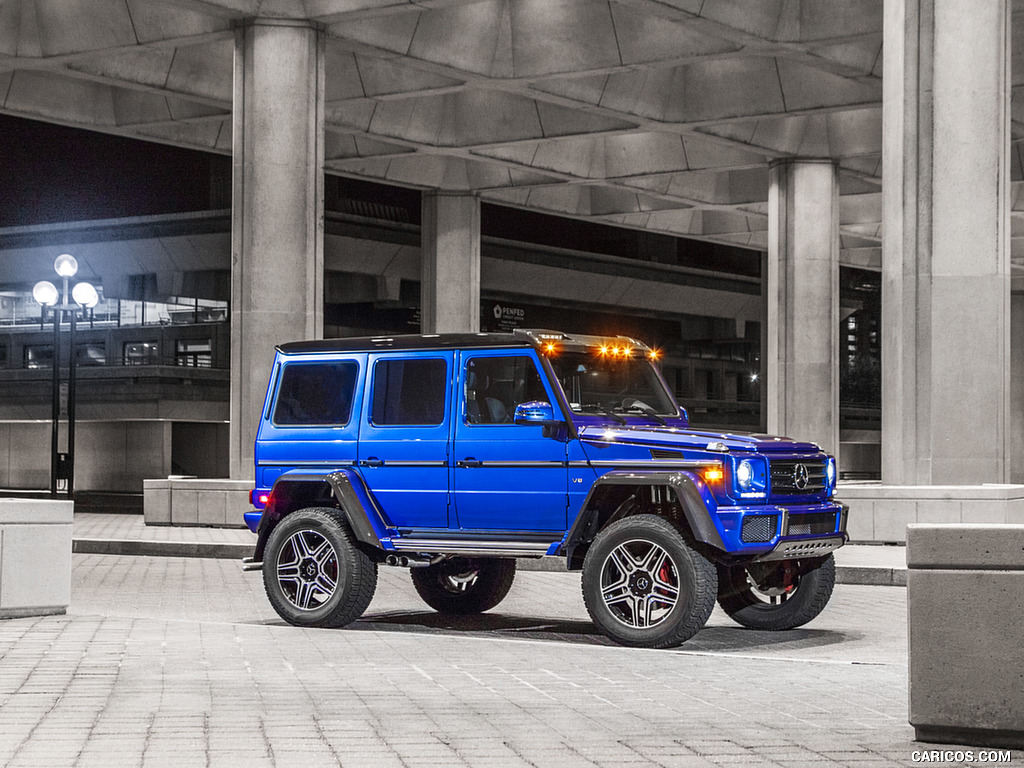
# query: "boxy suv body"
{"points": [[453, 455]]}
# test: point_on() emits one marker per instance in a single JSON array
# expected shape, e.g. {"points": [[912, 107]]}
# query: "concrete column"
{"points": [[945, 254], [450, 252], [801, 355], [277, 210], [1017, 387]]}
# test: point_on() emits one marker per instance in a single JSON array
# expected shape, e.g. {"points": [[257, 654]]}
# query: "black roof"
{"points": [[521, 337], [412, 341]]}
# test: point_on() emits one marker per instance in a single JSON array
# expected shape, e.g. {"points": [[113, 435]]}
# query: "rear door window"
{"points": [[408, 392]]}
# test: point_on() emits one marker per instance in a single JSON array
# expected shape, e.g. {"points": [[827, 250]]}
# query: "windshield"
{"points": [[611, 384]]}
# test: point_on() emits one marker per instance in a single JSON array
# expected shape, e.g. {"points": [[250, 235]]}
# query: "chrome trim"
{"points": [[462, 547]]}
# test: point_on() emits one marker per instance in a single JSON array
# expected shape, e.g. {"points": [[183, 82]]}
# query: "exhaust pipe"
{"points": [[413, 561]]}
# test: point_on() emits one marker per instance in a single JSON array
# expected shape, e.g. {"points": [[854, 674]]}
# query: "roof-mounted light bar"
{"points": [[540, 337]]}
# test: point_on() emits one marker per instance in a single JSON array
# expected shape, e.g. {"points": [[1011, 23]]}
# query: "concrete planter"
{"points": [[881, 513], [965, 593], [35, 557], [182, 501]]}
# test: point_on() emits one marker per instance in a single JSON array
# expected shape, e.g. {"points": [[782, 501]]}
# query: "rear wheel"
{"points": [[314, 573], [776, 595], [463, 585], [645, 586]]}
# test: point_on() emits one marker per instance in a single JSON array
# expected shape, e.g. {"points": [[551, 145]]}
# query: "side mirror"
{"points": [[539, 414]]}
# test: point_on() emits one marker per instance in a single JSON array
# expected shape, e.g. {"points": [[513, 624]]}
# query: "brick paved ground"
{"points": [[181, 661]]}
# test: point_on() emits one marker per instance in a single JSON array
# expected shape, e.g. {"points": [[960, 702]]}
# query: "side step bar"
{"points": [[479, 548]]}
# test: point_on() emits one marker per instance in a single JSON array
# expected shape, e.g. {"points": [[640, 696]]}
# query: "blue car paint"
{"points": [[534, 483]]}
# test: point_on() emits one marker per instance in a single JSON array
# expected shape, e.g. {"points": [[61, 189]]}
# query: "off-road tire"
{"points": [[464, 585], [747, 605], [313, 572], [645, 586]]}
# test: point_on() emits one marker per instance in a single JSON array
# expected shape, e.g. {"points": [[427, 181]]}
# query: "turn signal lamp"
{"points": [[654, 354], [713, 474], [550, 348]]}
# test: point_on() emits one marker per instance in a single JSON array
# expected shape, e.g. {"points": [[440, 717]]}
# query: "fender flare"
{"points": [[683, 484], [367, 520]]}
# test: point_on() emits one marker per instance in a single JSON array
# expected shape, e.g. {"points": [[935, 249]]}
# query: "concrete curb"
{"points": [[136, 547], [871, 575], [862, 575]]}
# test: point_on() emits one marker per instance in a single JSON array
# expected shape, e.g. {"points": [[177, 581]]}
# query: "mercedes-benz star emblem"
{"points": [[800, 477]]}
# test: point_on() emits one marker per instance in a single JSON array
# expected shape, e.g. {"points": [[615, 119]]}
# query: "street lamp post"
{"points": [[47, 295]]}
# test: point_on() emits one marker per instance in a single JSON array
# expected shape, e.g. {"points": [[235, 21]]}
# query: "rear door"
{"points": [[403, 439], [507, 477]]}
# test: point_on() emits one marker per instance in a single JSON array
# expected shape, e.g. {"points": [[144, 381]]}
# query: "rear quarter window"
{"points": [[315, 394]]}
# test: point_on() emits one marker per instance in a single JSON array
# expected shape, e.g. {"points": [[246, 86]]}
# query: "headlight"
{"points": [[749, 478], [744, 474], [830, 475]]}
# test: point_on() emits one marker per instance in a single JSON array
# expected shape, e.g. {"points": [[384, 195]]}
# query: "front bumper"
{"points": [[770, 532]]}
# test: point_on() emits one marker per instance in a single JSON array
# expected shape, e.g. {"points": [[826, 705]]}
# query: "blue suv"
{"points": [[454, 455]]}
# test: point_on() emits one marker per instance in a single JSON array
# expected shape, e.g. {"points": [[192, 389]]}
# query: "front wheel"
{"points": [[464, 585], [314, 573], [645, 586], [776, 595]]}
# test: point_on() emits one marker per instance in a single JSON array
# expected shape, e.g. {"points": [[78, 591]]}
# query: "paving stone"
{"points": [[174, 660]]}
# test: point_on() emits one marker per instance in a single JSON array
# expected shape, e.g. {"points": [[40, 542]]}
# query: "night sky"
{"points": [[50, 173]]}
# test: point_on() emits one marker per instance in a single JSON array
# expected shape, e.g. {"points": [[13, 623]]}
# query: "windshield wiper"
{"points": [[647, 411], [604, 410]]}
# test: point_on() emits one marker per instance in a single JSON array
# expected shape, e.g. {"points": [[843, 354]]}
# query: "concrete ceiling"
{"points": [[653, 114]]}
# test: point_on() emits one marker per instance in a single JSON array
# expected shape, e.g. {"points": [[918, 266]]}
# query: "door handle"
{"points": [[469, 461], [373, 461]]}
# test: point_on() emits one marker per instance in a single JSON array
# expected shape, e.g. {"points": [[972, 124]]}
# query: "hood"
{"points": [[676, 437]]}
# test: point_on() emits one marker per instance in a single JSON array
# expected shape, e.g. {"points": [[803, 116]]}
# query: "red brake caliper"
{"points": [[664, 573], [788, 572]]}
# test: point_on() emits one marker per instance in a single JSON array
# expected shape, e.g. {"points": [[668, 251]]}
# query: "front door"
{"points": [[507, 476], [403, 439]]}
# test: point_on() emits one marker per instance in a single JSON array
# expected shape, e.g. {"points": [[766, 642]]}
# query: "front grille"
{"points": [[813, 524], [787, 477], [758, 528]]}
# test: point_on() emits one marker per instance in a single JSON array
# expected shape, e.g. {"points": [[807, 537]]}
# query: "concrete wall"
{"points": [[882, 512], [113, 456], [195, 502]]}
